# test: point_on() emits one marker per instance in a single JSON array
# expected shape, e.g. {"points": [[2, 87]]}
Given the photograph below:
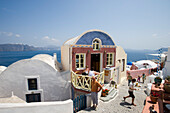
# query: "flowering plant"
{"points": [[105, 90], [155, 94]]}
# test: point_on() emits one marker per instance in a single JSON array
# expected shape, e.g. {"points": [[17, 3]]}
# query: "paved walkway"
{"points": [[118, 105]]}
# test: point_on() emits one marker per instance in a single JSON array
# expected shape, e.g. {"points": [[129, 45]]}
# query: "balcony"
{"points": [[83, 82]]}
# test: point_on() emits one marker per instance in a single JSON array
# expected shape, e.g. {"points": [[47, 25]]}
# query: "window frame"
{"points": [[123, 65], [33, 77], [108, 59], [29, 80], [84, 61], [94, 45]]}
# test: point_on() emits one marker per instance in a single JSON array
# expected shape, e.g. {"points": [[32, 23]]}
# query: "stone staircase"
{"points": [[112, 93]]}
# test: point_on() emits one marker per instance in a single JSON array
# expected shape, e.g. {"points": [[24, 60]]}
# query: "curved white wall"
{"points": [[51, 85], [43, 107]]}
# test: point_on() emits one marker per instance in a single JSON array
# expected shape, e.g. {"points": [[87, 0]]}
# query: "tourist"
{"points": [[96, 87], [89, 72], [143, 77], [131, 88], [138, 79], [129, 77], [86, 71]]}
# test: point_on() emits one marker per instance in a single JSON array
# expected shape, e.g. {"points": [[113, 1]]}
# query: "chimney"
{"points": [[55, 57]]}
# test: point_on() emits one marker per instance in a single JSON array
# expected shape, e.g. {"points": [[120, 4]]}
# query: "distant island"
{"points": [[24, 47]]}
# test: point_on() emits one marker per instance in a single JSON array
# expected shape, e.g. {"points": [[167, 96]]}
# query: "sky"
{"points": [[133, 24]]}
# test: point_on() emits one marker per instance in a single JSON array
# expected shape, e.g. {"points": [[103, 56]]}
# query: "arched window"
{"points": [[96, 44]]}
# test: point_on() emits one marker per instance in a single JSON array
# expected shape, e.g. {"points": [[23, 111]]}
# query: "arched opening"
{"points": [[96, 44]]}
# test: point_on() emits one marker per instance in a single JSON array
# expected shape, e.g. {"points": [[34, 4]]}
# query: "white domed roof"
{"points": [[2, 68], [145, 64], [45, 58]]}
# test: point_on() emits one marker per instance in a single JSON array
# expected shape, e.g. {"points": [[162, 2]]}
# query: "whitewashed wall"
{"points": [[40, 107], [51, 84], [166, 70], [120, 54], [65, 57]]}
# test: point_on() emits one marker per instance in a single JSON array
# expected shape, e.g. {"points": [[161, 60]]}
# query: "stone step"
{"points": [[107, 86], [110, 96]]}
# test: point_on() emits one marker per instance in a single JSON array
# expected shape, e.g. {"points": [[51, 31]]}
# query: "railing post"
{"points": [[103, 77], [90, 84], [83, 82]]}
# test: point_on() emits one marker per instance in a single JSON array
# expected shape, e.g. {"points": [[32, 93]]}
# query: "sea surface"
{"points": [[9, 57]]}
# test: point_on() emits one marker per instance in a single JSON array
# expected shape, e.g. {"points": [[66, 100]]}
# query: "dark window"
{"points": [[123, 64], [33, 97], [32, 84]]}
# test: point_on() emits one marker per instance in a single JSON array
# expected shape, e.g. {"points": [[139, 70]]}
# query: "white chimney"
{"points": [[55, 57]]}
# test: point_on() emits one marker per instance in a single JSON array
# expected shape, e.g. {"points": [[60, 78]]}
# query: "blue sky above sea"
{"points": [[132, 24]]}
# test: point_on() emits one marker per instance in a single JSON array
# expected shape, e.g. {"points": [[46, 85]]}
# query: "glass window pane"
{"points": [[97, 46], [77, 65], [77, 56], [32, 84], [93, 46], [81, 65], [82, 60], [82, 56], [77, 60]]}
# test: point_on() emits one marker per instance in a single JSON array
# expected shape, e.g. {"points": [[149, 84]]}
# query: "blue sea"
{"points": [[9, 57]]}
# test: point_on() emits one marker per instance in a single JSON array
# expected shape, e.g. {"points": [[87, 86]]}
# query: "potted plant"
{"points": [[107, 91], [158, 80], [167, 84], [154, 96], [103, 93]]}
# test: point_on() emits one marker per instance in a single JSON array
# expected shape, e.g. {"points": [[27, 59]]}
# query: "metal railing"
{"points": [[83, 82]]}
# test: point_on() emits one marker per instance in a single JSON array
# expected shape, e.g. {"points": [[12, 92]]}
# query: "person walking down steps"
{"points": [[130, 91]]}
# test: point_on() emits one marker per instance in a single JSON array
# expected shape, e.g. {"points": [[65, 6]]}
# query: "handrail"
{"points": [[84, 82]]}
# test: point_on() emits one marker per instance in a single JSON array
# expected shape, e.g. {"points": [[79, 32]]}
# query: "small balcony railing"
{"points": [[83, 82]]}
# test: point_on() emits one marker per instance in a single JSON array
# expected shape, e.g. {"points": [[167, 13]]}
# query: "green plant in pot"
{"points": [[158, 80], [167, 84]]}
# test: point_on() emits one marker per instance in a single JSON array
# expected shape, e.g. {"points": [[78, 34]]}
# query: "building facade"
{"points": [[95, 49]]}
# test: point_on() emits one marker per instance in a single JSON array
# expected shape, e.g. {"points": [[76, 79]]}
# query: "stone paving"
{"points": [[118, 105]]}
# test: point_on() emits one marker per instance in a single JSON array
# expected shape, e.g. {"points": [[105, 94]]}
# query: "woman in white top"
{"points": [[88, 72]]}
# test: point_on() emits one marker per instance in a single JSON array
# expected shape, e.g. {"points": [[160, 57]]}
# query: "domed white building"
{"points": [[34, 80]]}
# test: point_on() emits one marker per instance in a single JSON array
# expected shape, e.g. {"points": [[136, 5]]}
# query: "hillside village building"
{"points": [[42, 78], [97, 50], [35, 80]]}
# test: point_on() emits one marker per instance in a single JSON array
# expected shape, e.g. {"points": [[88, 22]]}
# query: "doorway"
{"points": [[95, 62], [33, 97]]}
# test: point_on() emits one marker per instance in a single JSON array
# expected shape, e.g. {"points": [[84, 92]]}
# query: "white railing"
{"points": [[83, 82]]}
